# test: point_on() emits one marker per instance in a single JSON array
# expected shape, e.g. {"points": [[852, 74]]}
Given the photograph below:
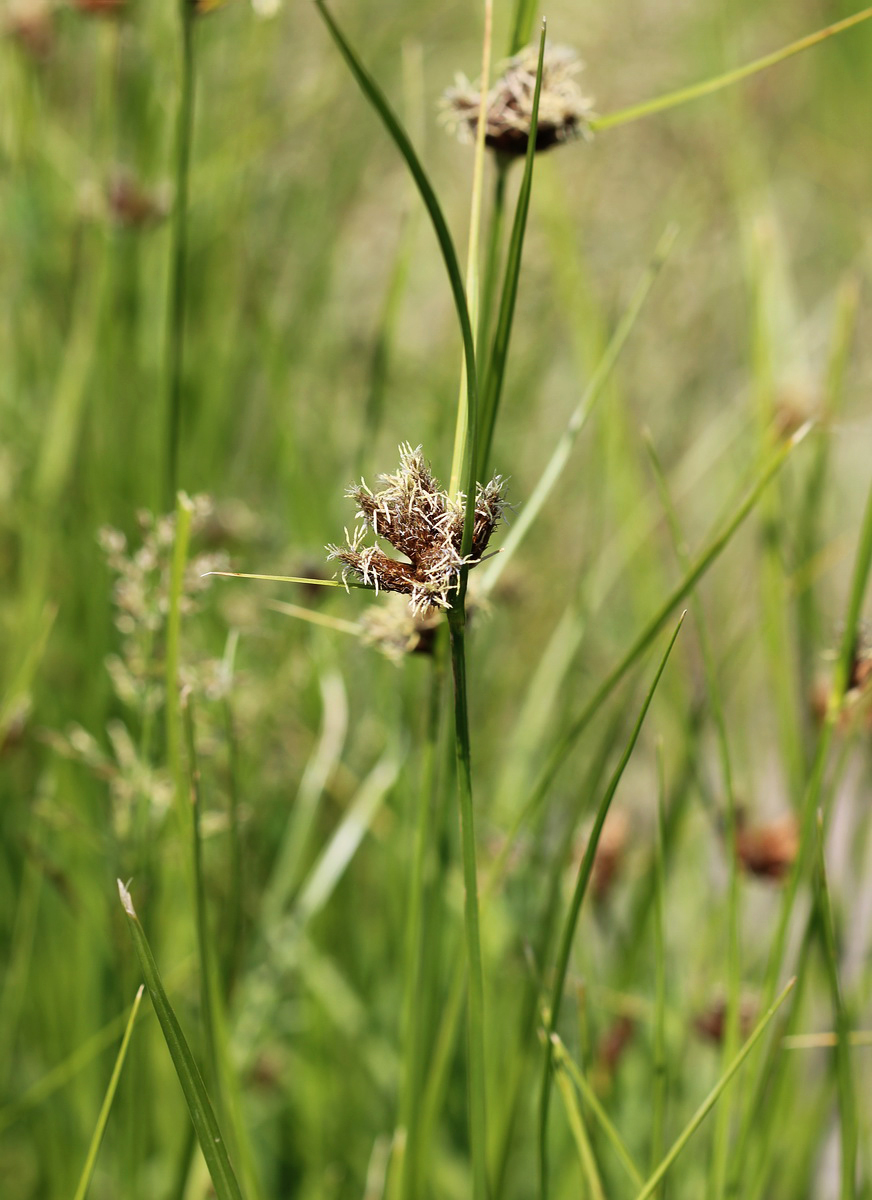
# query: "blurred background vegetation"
{"points": [[319, 333]]}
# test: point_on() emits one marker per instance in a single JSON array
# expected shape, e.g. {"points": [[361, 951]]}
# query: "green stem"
{"points": [[413, 1000], [847, 1094], [179, 257], [102, 1119], [184, 514], [715, 84], [476, 1026]]}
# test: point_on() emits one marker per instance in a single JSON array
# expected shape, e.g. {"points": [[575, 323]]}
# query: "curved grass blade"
{"points": [[199, 1105], [568, 935], [496, 366], [695, 572], [595, 388], [377, 99], [644, 639], [711, 1099], [102, 1119], [715, 84]]}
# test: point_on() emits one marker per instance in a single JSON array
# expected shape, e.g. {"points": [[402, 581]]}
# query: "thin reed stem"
{"points": [[476, 1022], [175, 336], [414, 1007]]}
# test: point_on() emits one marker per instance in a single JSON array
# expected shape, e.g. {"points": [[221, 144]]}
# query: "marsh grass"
{"points": [[380, 911]]}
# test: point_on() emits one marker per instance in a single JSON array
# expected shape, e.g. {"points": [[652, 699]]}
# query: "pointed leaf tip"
{"points": [[126, 899]]}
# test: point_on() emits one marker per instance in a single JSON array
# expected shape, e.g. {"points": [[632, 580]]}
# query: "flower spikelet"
{"points": [[418, 518], [564, 112]]}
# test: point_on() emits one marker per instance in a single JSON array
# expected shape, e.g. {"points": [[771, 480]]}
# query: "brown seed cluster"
{"points": [[420, 520], [564, 112]]}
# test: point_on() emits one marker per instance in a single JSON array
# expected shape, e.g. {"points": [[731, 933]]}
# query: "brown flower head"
{"points": [[564, 112], [31, 26], [424, 523], [768, 851]]}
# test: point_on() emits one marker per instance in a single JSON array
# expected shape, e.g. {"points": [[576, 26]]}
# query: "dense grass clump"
{"points": [[515, 840]]}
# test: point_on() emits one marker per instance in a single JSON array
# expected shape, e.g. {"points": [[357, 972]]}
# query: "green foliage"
{"points": [[362, 887]]}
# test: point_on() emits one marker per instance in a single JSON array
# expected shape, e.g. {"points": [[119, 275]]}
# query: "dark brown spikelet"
{"points": [[420, 520]]}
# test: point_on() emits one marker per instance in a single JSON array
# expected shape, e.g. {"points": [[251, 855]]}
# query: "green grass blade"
{"points": [[568, 934], [207, 965], [522, 25], [734, 959], [728, 78], [477, 1075], [184, 514], [644, 639], [178, 275], [844, 1074], [377, 99], [103, 1118], [814, 490], [711, 1099], [583, 410], [461, 426], [564, 1062], [496, 367], [197, 1098], [659, 1065], [579, 1133]]}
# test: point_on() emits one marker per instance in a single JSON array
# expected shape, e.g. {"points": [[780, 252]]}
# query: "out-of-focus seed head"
{"points": [[564, 111]]}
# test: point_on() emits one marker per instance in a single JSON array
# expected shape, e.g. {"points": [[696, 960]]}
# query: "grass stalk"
{"points": [[461, 430], [661, 1081], [698, 568], [810, 805], [413, 1000], [734, 954], [568, 933], [844, 1074], [103, 1117], [184, 514], [581, 414], [496, 363], [475, 974], [696, 90], [204, 938], [398, 135], [178, 279]]}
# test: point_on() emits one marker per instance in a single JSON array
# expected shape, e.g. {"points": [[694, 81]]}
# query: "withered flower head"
{"points": [[397, 632], [564, 112], [31, 26], [418, 518]]}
